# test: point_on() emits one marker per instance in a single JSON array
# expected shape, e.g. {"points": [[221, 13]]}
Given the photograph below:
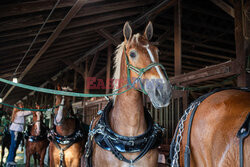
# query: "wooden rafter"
{"points": [[75, 67], [73, 11], [224, 6], [212, 72], [108, 36], [93, 64]]}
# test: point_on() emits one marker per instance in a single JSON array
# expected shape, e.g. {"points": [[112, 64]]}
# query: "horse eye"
{"points": [[132, 54]]}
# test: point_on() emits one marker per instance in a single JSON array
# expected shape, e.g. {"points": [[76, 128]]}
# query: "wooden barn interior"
{"points": [[203, 45]]}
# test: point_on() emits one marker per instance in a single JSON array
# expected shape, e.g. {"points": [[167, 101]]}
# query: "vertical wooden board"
{"points": [[86, 90], [240, 44], [75, 85], [177, 38], [108, 68]]}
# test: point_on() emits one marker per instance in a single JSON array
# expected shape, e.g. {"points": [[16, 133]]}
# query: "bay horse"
{"points": [[36, 139], [210, 132], [67, 138], [124, 134]]}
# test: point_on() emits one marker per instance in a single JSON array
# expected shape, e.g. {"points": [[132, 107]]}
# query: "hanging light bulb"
{"points": [[15, 80], [1, 98]]}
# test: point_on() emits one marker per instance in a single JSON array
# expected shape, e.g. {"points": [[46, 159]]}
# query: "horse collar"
{"points": [[107, 139], [41, 137], [76, 136]]}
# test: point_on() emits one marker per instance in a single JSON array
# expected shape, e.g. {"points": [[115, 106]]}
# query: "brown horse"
{"points": [[127, 120], [37, 142], [213, 135], [67, 139]]}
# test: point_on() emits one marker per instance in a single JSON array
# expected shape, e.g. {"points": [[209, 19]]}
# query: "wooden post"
{"points": [[108, 69], [75, 85], [177, 38], [86, 91], [240, 44]]}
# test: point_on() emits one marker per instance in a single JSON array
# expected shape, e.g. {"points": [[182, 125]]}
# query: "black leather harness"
{"points": [[117, 144], [41, 137], [242, 136], [68, 141]]}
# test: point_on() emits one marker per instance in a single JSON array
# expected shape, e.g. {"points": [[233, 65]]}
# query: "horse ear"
{"points": [[127, 31], [148, 33]]}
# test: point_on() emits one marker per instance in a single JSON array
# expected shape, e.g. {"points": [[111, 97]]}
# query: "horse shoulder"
{"points": [[214, 128]]}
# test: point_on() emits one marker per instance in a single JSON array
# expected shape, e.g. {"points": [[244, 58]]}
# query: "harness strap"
{"points": [[62, 151], [242, 134], [122, 158]]}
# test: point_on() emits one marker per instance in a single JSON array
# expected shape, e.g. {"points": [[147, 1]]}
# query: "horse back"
{"points": [[213, 140]]}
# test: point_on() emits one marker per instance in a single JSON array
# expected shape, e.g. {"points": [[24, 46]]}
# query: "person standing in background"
{"points": [[16, 129]]}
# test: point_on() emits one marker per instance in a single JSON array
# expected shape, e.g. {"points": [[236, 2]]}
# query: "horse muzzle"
{"points": [[159, 92]]}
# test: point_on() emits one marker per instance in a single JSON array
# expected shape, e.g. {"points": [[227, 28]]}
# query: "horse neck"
{"points": [[67, 127], [33, 128], [127, 116]]}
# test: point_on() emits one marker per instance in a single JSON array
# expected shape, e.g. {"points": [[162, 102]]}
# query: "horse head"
{"points": [[64, 104], [143, 68], [37, 118]]}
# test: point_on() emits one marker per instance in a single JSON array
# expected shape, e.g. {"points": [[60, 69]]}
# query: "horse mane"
{"points": [[117, 66]]}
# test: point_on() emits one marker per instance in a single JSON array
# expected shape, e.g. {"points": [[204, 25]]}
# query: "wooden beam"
{"points": [[37, 20], [177, 38], [212, 72], [93, 64], [73, 11], [108, 36], [224, 6], [91, 10], [212, 47], [75, 67], [240, 45], [34, 6], [101, 72], [109, 55]]}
